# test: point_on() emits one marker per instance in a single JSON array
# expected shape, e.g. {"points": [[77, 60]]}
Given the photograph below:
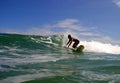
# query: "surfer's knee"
{"points": [[74, 46]]}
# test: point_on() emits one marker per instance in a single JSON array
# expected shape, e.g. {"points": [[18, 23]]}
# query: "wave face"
{"points": [[28, 41], [43, 59]]}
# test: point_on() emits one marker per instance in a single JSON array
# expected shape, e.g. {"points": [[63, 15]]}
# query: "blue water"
{"points": [[43, 59]]}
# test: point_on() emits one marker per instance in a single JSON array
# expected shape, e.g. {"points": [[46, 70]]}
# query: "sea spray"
{"points": [[95, 46]]}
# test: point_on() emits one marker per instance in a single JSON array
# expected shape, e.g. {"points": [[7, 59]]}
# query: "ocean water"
{"points": [[44, 59]]}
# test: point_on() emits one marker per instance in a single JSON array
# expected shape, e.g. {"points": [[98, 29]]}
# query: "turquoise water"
{"points": [[43, 59]]}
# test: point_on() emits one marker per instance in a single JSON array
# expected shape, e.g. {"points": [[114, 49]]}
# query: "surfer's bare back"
{"points": [[71, 39]]}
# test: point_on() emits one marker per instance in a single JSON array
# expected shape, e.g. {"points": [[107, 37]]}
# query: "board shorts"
{"points": [[75, 44]]}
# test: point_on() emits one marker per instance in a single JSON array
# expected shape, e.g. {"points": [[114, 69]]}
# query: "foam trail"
{"points": [[95, 46]]}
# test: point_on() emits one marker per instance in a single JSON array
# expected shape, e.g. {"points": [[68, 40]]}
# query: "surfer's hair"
{"points": [[69, 36]]}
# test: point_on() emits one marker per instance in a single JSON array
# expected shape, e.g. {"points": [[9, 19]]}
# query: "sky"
{"points": [[88, 19]]}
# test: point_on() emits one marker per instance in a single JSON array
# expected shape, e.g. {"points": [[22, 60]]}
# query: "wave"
{"points": [[29, 41], [51, 43]]}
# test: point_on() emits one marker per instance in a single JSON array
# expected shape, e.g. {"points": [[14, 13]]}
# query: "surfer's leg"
{"points": [[75, 44]]}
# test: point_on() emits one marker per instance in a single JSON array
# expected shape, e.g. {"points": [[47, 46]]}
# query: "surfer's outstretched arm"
{"points": [[69, 43]]}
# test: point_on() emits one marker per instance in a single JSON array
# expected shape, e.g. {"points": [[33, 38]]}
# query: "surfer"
{"points": [[71, 39]]}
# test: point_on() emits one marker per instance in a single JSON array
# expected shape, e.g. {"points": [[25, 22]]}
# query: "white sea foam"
{"points": [[98, 76], [95, 46], [23, 78], [28, 77], [44, 40], [30, 59], [2, 51]]}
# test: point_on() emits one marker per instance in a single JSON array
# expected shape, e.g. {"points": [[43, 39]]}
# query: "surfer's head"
{"points": [[69, 37]]}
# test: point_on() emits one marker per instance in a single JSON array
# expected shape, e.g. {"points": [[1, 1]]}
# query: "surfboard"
{"points": [[80, 48]]}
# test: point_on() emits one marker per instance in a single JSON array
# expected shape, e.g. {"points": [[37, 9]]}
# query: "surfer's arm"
{"points": [[69, 43]]}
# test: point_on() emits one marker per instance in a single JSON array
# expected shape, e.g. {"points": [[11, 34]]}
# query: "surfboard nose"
{"points": [[80, 48]]}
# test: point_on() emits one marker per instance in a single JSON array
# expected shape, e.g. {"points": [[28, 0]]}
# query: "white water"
{"points": [[95, 46]]}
